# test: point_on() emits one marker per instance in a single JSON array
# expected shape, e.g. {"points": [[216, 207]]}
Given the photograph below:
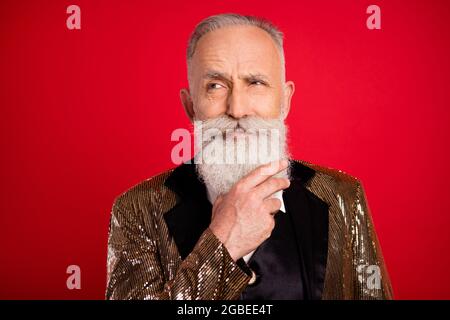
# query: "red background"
{"points": [[85, 114]]}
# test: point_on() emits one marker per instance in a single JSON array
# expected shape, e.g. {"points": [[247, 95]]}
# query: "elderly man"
{"points": [[264, 227]]}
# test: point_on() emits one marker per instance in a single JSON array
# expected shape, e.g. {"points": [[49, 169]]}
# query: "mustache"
{"points": [[226, 123]]}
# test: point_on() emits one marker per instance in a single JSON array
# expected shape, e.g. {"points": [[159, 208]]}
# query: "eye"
{"points": [[213, 86], [257, 82]]}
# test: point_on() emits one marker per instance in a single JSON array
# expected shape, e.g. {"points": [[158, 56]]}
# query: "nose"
{"points": [[238, 105]]}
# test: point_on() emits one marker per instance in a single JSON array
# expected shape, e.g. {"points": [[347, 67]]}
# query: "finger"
{"points": [[270, 186], [272, 205], [262, 173], [219, 199]]}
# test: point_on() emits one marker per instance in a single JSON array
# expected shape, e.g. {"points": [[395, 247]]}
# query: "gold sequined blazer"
{"points": [[160, 246]]}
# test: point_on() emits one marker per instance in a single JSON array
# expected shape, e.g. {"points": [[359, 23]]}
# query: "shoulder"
{"points": [[333, 173], [144, 192], [331, 179]]}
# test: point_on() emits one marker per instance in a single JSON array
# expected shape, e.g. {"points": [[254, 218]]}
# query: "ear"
{"points": [[289, 89], [188, 105]]}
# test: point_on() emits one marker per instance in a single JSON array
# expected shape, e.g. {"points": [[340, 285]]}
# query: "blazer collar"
{"points": [[187, 220], [191, 215], [310, 217]]}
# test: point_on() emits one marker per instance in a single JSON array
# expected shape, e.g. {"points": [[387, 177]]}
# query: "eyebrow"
{"points": [[217, 75], [257, 76]]}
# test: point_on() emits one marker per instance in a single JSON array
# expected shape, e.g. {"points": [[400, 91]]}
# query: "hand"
{"points": [[244, 217]]}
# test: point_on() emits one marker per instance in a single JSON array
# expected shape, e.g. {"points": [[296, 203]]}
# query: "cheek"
{"points": [[268, 106], [209, 107]]}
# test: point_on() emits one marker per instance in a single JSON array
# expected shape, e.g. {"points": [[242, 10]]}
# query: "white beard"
{"points": [[223, 159]]}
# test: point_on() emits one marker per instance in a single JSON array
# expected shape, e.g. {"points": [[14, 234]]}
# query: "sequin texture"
{"points": [[144, 263]]}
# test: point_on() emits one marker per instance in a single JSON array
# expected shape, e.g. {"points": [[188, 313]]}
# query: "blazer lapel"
{"points": [[310, 218], [190, 217]]}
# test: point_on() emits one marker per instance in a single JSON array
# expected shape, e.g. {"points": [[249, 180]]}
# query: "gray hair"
{"points": [[232, 19]]}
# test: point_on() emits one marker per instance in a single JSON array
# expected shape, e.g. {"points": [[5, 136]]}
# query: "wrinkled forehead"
{"points": [[237, 48]]}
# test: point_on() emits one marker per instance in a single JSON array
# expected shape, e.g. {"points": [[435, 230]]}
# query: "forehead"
{"points": [[237, 47]]}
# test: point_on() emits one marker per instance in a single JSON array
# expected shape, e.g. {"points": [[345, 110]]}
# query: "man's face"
{"points": [[236, 71], [236, 84]]}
